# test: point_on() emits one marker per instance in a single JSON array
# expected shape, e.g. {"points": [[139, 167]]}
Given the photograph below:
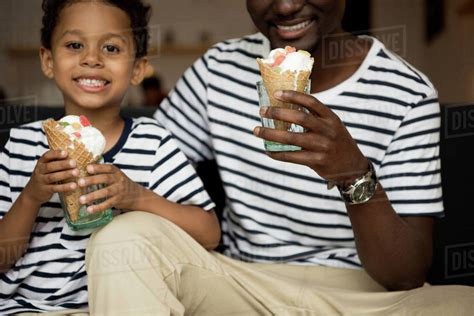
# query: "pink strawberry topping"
{"points": [[280, 56], [84, 121]]}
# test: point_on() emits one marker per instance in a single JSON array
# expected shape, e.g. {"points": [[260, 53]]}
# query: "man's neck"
{"points": [[337, 58]]}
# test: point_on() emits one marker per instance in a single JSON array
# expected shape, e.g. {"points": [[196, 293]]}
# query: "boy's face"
{"points": [[298, 23], [92, 58]]}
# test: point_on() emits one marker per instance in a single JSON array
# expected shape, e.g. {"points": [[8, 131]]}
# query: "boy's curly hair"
{"points": [[137, 11]]}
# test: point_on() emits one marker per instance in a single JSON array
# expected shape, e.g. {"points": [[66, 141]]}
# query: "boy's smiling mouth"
{"points": [[91, 84]]}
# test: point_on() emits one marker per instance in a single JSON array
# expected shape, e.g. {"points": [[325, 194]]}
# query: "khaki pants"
{"points": [[141, 264]]}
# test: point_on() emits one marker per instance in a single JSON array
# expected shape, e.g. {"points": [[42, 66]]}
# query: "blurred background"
{"points": [[433, 35]]}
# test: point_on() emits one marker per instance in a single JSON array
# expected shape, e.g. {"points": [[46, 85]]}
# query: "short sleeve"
{"points": [[173, 177], [411, 169], [184, 113], [5, 191]]}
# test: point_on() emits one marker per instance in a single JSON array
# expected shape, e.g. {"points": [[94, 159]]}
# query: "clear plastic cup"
{"points": [[264, 100]]}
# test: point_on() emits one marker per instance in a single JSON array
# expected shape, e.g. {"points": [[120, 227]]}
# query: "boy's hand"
{"points": [[119, 190], [50, 169]]}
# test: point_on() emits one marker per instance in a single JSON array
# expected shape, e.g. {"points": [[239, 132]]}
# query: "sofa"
{"points": [[453, 260]]}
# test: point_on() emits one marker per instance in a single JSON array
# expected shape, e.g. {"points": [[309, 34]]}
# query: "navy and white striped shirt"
{"points": [[283, 212], [51, 274]]}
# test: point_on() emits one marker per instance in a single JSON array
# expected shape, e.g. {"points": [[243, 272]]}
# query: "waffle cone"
{"points": [[58, 140], [287, 80]]}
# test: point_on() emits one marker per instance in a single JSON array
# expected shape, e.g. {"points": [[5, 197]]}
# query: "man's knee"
{"points": [[134, 239]]}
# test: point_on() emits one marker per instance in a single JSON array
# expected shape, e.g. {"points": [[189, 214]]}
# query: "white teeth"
{"points": [[91, 82], [296, 27]]}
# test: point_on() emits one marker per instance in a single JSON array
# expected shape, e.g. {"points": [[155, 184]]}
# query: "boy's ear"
{"points": [[139, 70], [46, 62]]}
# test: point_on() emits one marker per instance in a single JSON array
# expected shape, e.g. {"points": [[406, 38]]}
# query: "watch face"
{"points": [[363, 192], [360, 192]]}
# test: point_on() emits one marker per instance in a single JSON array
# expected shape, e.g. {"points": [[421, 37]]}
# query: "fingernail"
{"points": [[81, 182], [89, 209], [72, 163], [90, 169], [263, 110], [75, 172], [82, 199], [278, 94], [72, 186], [63, 153], [256, 130]]}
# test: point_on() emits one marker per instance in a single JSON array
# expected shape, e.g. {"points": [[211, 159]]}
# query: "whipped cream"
{"points": [[79, 129], [288, 59]]}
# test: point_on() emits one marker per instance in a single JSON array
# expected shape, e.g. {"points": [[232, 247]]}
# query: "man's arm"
{"points": [[396, 252]]}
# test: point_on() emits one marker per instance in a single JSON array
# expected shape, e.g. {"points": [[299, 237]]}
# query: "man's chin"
{"points": [[304, 43]]}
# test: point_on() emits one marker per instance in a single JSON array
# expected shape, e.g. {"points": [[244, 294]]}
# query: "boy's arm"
{"points": [[17, 224], [122, 193], [15, 230]]}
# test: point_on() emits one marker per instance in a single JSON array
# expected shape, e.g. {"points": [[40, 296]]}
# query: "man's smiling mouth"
{"points": [[295, 27]]}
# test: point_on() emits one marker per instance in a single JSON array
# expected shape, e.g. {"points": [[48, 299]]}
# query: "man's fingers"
{"points": [[298, 157], [307, 120], [304, 140], [309, 102]]}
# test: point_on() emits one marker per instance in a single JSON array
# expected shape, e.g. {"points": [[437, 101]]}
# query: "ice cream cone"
{"points": [[274, 81], [58, 140]]}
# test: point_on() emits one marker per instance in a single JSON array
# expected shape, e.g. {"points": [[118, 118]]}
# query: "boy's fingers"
{"points": [[100, 168], [61, 176], [101, 206], [96, 179], [60, 188], [51, 155], [96, 195], [58, 165]]}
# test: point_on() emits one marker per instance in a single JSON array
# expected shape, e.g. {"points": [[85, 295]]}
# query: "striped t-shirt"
{"points": [[51, 274], [283, 212]]}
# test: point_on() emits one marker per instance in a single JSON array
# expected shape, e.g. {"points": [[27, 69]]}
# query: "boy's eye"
{"points": [[74, 45], [111, 49]]}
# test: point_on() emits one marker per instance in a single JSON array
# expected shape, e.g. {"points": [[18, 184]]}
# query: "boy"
{"points": [[93, 50]]}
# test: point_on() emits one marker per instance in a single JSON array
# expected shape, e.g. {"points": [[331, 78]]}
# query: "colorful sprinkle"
{"points": [[76, 126]]}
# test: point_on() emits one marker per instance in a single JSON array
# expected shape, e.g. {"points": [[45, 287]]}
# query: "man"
{"points": [[293, 245]]}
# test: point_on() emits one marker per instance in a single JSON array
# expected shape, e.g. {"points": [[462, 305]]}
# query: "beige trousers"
{"points": [[141, 264]]}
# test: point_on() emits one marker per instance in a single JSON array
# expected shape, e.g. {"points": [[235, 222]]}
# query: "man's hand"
{"points": [[327, 146], [119, 190]]}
